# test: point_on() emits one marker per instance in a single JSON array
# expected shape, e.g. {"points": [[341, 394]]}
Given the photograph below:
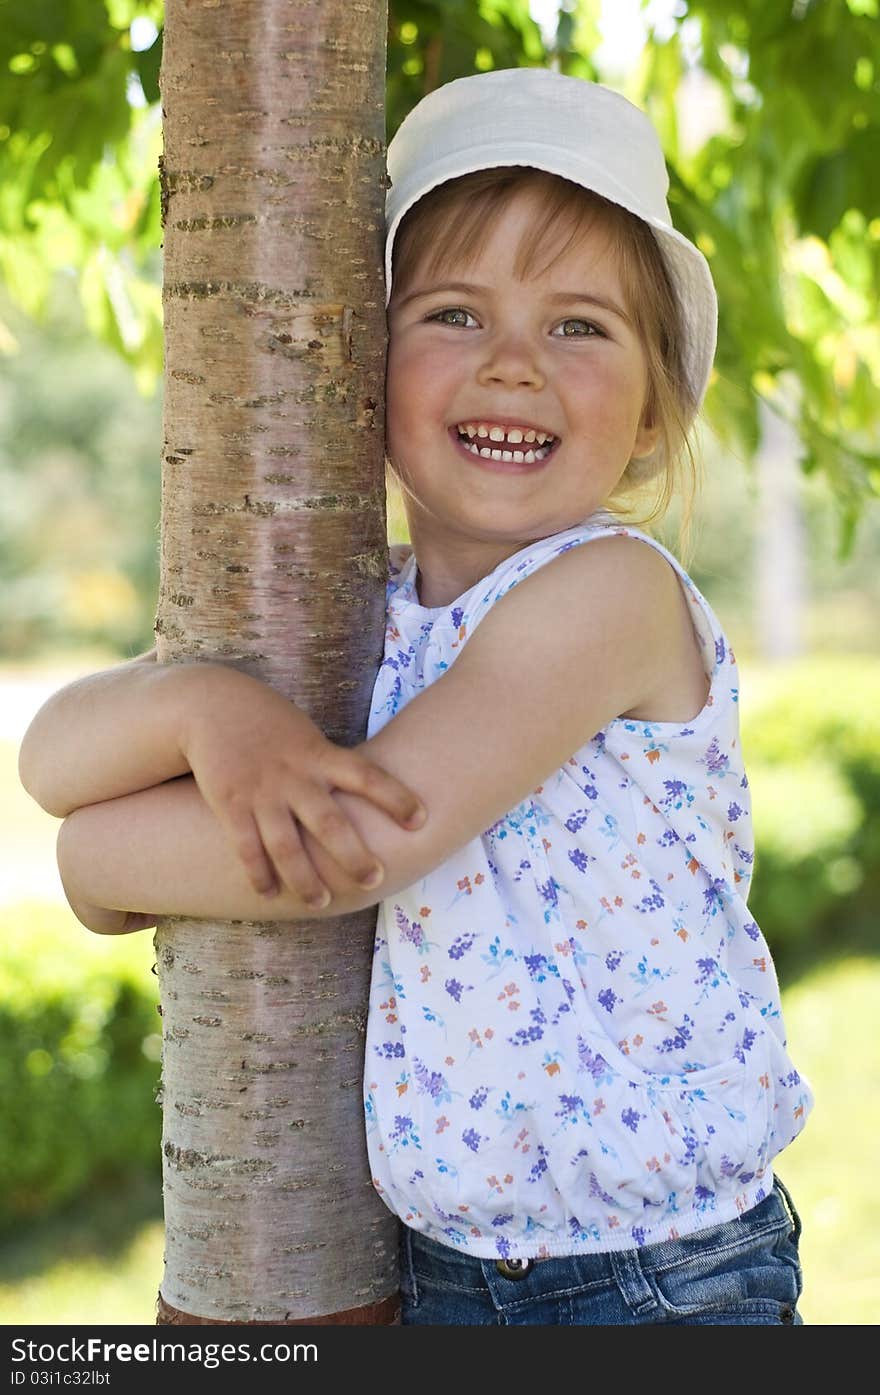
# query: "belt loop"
{"points": [[634, 1288], [790, 1206]]}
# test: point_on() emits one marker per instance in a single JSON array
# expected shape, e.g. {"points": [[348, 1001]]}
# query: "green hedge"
{"points": [[79, 1061], [811, 737]]}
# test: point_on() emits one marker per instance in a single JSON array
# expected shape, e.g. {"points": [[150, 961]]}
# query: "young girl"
{"points": [[575, 1104]]}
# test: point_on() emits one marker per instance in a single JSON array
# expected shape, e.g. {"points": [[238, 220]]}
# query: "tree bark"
{"points": [[273, 559]]}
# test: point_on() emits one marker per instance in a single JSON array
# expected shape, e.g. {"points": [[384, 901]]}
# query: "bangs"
{"points": [[455, 220]]}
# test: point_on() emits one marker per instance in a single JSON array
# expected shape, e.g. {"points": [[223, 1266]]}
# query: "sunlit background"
{"points": [[80, 444]]}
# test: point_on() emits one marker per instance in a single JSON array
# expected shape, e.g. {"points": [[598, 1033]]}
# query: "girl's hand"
{"points": [[263, 767]]}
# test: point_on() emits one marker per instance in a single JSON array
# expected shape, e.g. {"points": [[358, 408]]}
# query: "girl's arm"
{"points": [[260, 762], [105, 735], [601, 631]]}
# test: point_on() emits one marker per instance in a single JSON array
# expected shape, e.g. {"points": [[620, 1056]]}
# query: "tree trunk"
{"points": [[273, 559]]}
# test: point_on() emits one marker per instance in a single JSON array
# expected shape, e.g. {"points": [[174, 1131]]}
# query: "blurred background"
{"points": [[769, 113]]}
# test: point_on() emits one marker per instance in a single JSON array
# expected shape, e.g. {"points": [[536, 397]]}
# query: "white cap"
{"points": [[569, 127]]}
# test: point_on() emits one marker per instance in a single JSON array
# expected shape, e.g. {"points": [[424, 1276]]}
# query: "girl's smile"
{"points": [[514, 406], [509, 448]]}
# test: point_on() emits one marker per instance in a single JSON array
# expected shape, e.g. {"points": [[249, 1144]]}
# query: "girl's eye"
{"points": [[584, 329], [440, 315]]}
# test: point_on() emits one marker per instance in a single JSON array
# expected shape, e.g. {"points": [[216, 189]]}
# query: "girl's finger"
{"points": [[242, 830], [290, 860], [356, 773], [319, 812]]}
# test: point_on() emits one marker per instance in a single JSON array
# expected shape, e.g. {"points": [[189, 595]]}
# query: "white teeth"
{"points": [[530, 435], [486, 453], [514, 435], [496, 434], [495, 454], [541, 454], [507, 455], [482, 431], [529, 457]]}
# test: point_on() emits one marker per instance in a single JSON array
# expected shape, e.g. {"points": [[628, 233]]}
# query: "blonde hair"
{"points": [[453, 222]]}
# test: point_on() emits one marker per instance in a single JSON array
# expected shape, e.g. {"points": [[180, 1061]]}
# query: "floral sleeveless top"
{"points": [[575, 1041]]}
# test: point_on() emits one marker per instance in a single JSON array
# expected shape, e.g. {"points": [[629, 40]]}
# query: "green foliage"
{"points": [[78, 166], [79, 474], [79, 1049], [812, 745], [784, 201]]}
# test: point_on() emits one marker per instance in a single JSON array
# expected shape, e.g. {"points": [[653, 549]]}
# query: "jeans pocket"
{"points": [[746, 1270]]}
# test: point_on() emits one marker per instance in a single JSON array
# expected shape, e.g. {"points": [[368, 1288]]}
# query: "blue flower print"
{"points": [[455, 988], [431, 1083], [404, 1134], [679, 795], [579, 859], [715, 759], [594, 1063], [631, 1118], [472, 1139], [460, 946], [654, 902]]}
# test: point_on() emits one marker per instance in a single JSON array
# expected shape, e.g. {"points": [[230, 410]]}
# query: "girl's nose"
{"points": [[511, 362]]}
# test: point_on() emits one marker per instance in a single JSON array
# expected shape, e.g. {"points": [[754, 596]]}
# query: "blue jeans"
{"points": [[743, 1272]]}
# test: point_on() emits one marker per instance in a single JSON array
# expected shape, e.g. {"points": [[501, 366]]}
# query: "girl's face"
{"points": [[477, 352]]}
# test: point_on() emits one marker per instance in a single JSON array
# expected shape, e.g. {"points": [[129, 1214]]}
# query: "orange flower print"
{"points": [[552, 1068], [618, 901], [424, 973], [683, 934], [442, 1123], [640, 838], [402, 1088], [598, 1106], [449, 1061], [612, 1222], [478, 879], [658, 1008], [465, 885], [760, 964], [424, 910], [653, 755]]}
